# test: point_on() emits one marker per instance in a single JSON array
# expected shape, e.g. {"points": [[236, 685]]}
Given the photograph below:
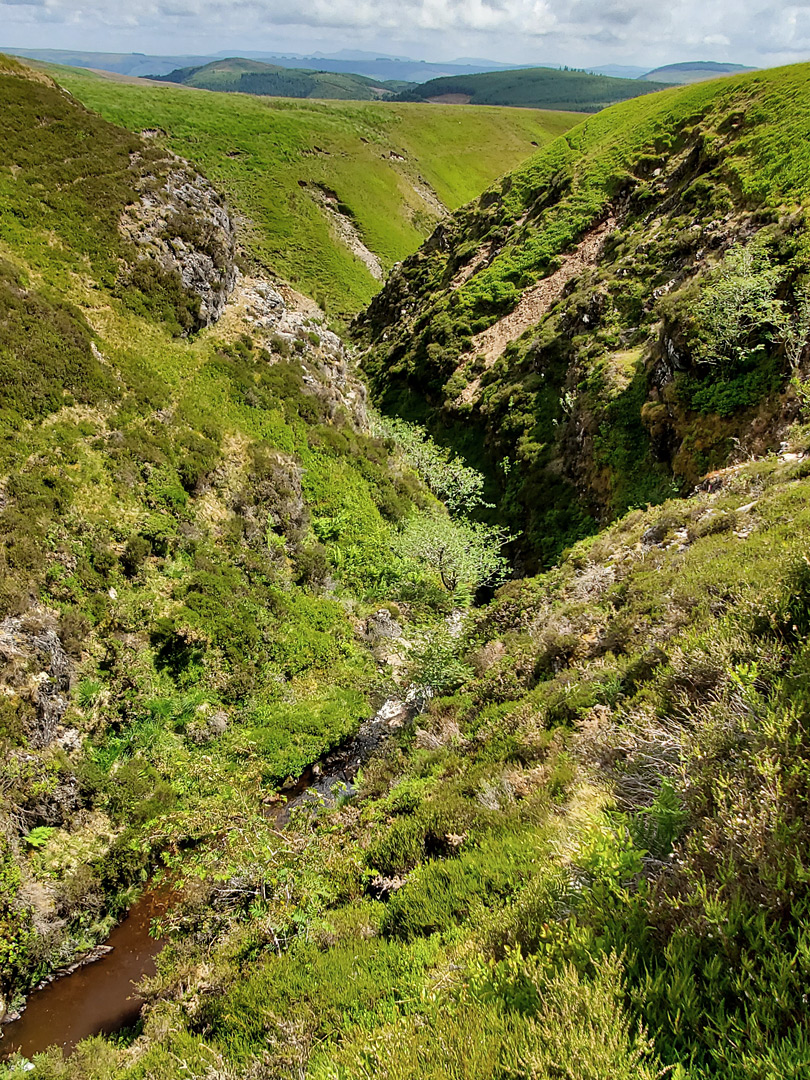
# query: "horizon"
{"points": [[583, 34], [347, 56]]}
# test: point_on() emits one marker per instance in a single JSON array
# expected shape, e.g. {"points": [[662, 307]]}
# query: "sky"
{"points": [[577, 32]]}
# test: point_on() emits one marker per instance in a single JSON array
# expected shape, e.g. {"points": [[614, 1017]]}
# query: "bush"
{"points": [[465, 554], [136, 551], [737, 308]]}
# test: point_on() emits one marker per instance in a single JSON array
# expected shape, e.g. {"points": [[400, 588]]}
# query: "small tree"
{"points": [[435, 664], [795, 328], [737, 306], [459, 487], [465, 554]]}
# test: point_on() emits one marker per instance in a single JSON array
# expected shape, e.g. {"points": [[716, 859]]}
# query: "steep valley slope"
{"points": [[580, 846], [321, 185], [560, 313], [195, 523]]}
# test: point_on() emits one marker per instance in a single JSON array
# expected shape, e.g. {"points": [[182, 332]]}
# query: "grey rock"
{"points": [[655, 534], [382, 625], [36, 666], [185, 226]]}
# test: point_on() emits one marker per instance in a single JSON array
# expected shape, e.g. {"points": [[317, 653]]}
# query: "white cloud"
{"points": [[566, 31]]}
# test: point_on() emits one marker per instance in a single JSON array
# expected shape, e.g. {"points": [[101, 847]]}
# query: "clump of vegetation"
{"points": [[452, 481], [738, 311], [465, 554]]}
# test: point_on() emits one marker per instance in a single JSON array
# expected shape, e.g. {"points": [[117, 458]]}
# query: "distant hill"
{"points": [[383, 67], [544, 88], [344, 62], [693, 71], [620, 71], [137, 64], [240, 75]]}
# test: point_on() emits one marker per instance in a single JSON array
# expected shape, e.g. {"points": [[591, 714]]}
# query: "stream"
{"points": [[99, 997]]}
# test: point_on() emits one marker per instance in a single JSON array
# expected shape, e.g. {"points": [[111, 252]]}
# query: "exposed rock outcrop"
{"points": [[184, 225], [290, 324], [37, 670]]}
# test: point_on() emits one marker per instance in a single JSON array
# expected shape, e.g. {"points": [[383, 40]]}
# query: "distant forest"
{"points": [[543, 88]]}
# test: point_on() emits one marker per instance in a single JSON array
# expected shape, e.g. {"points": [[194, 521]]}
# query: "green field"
{"points": [[536, 88], [258, 151]]}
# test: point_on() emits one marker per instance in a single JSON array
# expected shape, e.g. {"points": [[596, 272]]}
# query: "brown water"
{"points": [[100, 998], [94, 999]]}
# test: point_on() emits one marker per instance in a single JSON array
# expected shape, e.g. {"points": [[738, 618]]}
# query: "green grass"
{"points": [[196, 489], [590, 858], [536, 88], [259, 152]]}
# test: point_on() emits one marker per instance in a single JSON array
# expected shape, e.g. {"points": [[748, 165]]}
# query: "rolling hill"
{"points": [[386, 68], [134, 64], [344, 62], [430, 767], [540, 88], [236, 75], [694, 71], [333, 193]]}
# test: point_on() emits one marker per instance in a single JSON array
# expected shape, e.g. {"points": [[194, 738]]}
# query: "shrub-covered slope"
{"points": [[621, 314], [587, 857], [329, 188], [537, 88], [581, 849], [194, 524]]}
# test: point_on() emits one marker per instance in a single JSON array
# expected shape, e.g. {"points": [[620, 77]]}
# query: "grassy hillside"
{"points": [[560, 317], [536, 88], [237, 75], [188, 529], [391, 168]]}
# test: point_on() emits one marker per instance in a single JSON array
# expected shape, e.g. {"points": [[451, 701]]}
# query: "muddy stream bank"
{"points": [[99, 996]]}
